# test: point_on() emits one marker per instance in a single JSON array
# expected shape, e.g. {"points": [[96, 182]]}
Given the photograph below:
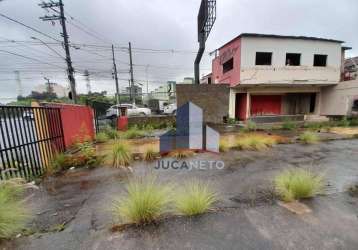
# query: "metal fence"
{"points": [[30, 137]]}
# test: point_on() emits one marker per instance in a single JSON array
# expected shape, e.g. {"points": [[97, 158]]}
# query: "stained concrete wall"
{"points": [[212, 98], [338, 100]]}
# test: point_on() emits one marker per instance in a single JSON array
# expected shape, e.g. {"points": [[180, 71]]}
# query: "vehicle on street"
{"points": [[157, 106], [170, 109], [132, 110]]}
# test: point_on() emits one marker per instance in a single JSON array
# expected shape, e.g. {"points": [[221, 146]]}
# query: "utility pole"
{"points": [[70, 71], [19, 85], [88, 81], [146, 76], [131, 71], [115, 76]]}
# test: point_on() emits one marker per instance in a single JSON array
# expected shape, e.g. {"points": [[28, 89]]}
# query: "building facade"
{"points": [[277, 75]]}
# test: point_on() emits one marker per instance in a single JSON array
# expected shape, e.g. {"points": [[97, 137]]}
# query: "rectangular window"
{"points": [[229, 65], [320, 60], [293, 59], [263, 58]]}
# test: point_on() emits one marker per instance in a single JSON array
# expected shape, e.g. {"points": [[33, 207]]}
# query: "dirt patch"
{"points": [[344, 131], [256, 197]]}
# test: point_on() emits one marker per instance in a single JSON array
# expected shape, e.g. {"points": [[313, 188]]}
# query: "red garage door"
{"points": [[265, 105]]}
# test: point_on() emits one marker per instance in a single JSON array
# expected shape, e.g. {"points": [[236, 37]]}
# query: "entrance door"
{"points": [[240, 106], [265, 105]]}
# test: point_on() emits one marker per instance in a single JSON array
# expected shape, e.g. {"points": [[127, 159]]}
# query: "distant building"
{"points": [[165, 92], [351, 68], [206, 79], [188, 80], [136, 91], [58, 89]]}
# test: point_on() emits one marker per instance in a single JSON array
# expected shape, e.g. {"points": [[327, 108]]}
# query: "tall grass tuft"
{"points": [[308, 138], [195, 198], [13, 214], [122, 155], [144, 202], [181, 153], [255, 142], [150, 154], [295, 184], [111, 133]]}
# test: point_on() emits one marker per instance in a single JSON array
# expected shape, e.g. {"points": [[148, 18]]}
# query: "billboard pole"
{"points": [[206, 20]]}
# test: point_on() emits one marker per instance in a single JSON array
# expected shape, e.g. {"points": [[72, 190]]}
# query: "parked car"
{"points": [[170, 109], [132, 110]]}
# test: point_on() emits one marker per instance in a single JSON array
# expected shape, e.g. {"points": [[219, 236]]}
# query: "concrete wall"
{"points": [[213, 99], [278, 72], [338, 100]]}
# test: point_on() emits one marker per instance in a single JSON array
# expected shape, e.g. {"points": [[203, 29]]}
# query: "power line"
{"points": [[29, 58], [29, 27]]}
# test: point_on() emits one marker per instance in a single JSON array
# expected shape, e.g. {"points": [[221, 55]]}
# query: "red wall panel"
{"points": [[77, 122], [266, 105]]}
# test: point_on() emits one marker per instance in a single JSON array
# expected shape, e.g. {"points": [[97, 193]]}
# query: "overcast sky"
{"points": [[158, 25]]}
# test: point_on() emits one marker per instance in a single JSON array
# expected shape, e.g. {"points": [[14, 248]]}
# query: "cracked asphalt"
{"points": [[74, 211]]}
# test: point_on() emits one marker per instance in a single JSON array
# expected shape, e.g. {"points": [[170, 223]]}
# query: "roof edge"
{"points": [[281, 37]]}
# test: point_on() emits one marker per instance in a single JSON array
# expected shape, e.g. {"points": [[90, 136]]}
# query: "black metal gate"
{"points": [[29, 139]]}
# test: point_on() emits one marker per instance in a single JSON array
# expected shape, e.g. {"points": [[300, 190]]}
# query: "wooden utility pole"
{"points": [[131, 72], [115, 76], [61, 16]]}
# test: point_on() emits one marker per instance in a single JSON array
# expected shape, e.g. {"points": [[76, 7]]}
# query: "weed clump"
{"points": [[144, 202], [255, 142], [195, 198], [309, 138], [13, 214], [289, 125], [296, 184], [102, 137]]}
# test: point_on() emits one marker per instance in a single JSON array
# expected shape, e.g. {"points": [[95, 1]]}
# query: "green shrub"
{"points": [[60, 163], [150, 154], [111, 133], [194, 198], [122, 155], [309, 138], [255, 142], [144, 202], [231, 121], [14, 215], [353, 122], [298, 183], [344, 122], [102, 137], [289, 125], [133, 133]]}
